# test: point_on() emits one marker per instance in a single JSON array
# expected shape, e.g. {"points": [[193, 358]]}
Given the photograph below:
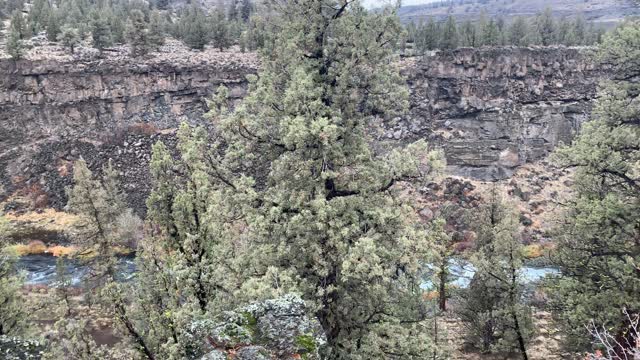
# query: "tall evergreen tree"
{"points": [[449, 34], [137, 33], [100, 204], [15, 47], [518, 32], [327, 221], [193, 29], [53, 25], [493, 310], [38, 16], [18, 26], [598, 250], [100, 30], [490, 34], [546, 27], [69, 37], [156, 29], [246, 8], [220, 32]]}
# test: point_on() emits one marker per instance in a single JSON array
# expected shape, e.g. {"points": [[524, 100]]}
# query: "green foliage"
{"points": [[15, 47], [53, 25], [157, 28], [449, 34], [193, 28], [220, 31], [307, 342], [492, 307], [13, 314], [540, 30], [327, 220], [598, 252], [18, 27], [100, 31], [38, 16], [137, 34], [69, 37], [101, 205]]}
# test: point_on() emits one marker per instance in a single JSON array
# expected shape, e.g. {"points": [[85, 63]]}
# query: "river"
{"points": [[41, 270]]}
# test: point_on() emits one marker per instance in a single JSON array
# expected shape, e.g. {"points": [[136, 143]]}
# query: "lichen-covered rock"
{"points": [[272, 329], [16, 348]]}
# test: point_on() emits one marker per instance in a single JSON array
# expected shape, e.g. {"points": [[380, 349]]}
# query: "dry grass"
{"points": [[47, 219]]}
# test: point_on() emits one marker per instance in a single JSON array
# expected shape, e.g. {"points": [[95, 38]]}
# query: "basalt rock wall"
{"points": [[494, 109], [490, 109]]}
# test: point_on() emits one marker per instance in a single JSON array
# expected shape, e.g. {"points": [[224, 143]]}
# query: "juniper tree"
{"points": [[518, 32], [137, 33], [13, 314], [38, 16], [100, 30], [17, 27], [546, 27], [326, 219], [193, 29], [493, 308], [69, 37], [449, 34], [101, 205], [15, 46], [220, 32], [156, 29], [53, 25], [598, 250]]}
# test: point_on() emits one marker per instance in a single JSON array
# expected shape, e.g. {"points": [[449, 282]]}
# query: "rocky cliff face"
{"points": [[491, 109], [495, 109]]}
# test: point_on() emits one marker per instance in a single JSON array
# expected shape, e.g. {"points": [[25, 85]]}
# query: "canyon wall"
{"points": [[490, 109]]}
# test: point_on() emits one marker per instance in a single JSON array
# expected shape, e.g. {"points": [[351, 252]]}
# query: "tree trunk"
{"points": [[442, 294]]}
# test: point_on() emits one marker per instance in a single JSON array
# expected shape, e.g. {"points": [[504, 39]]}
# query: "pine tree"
{"points": [[245, 10], [69, 37], [100, 31], [469, 34], [137, 33], [431, 35], [117, 25], [449, 34], [490, 34], [598, 252]]}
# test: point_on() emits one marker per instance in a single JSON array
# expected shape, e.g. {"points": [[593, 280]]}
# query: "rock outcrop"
{"points": [[272, 329], [491, 109], [494, 109]]}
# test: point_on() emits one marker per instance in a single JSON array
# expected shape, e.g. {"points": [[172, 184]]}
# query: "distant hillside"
{"points": [[607, 12]]}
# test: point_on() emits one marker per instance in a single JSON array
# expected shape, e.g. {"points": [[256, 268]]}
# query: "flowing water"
{"points": [[41, 270]]}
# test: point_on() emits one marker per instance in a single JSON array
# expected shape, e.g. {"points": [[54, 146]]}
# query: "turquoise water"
{"points": [[461, 273]]}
